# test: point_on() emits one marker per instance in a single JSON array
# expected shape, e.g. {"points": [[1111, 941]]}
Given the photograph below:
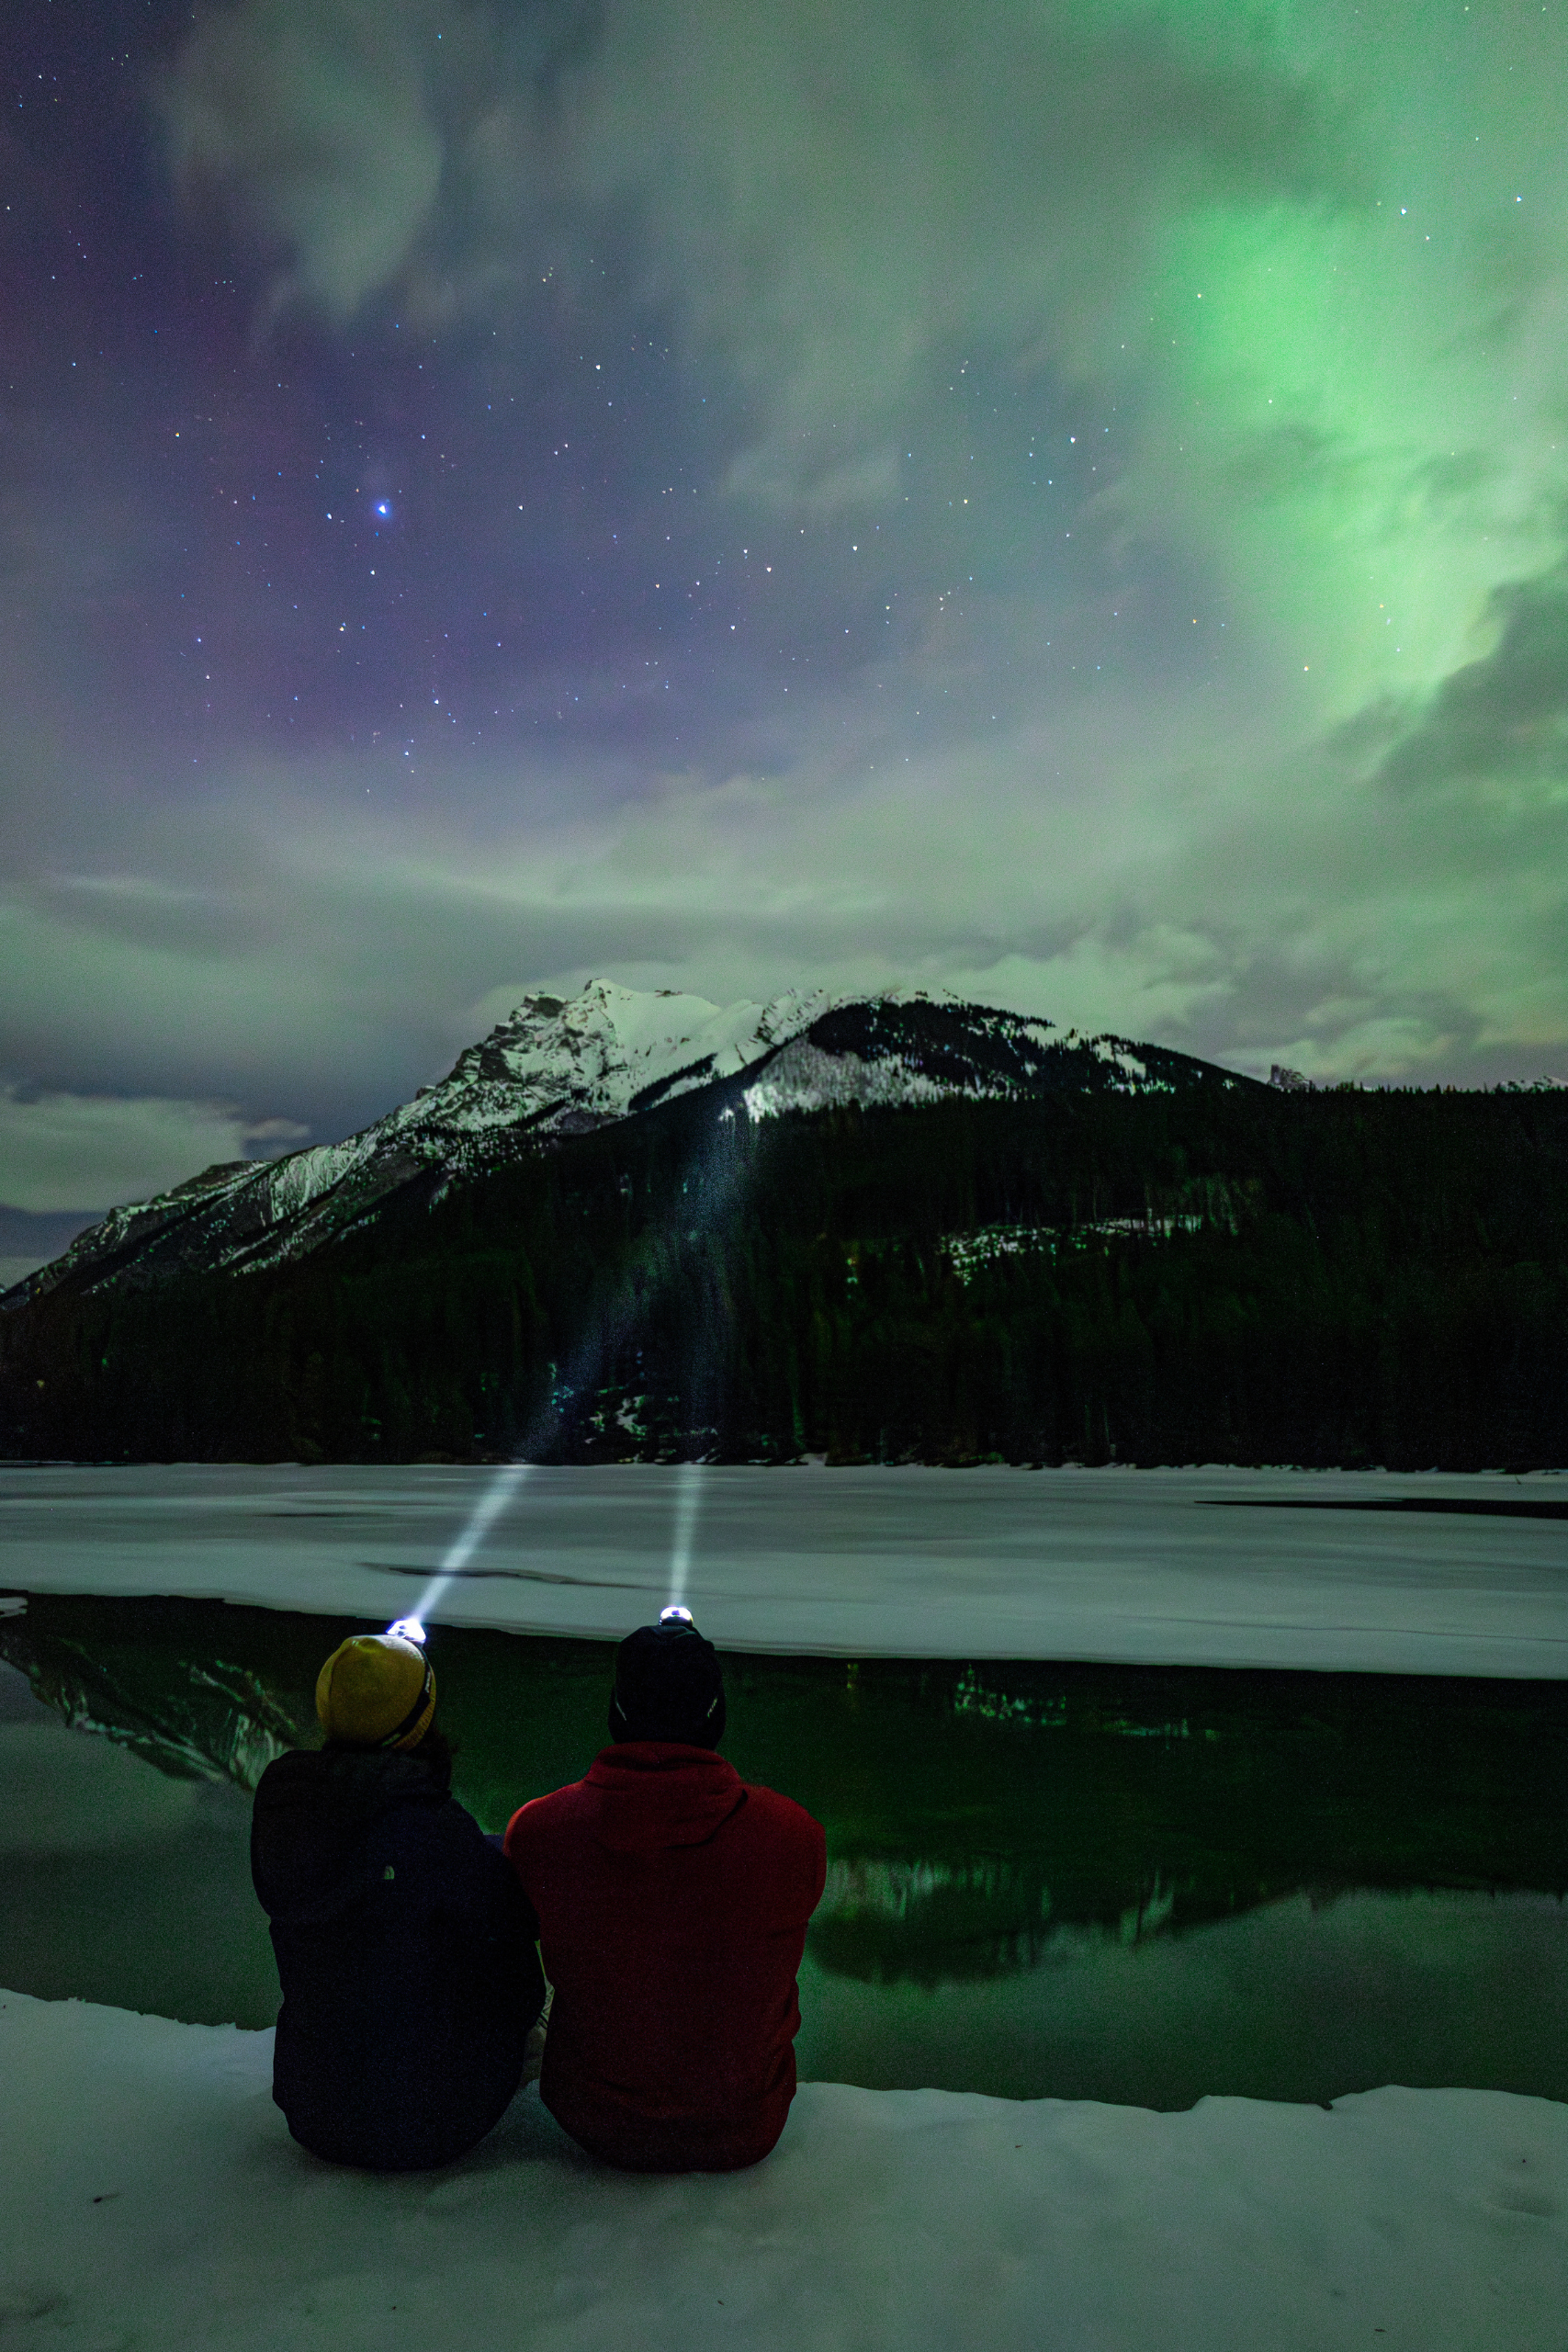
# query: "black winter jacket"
{"points": [[405, 1951]]}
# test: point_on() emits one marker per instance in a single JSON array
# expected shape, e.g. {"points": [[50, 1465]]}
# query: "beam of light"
{"points": [[717, 1199], [688, 1494], [461, 1550]]}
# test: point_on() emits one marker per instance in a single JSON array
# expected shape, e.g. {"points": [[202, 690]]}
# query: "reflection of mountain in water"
{"points": [[986, 1818], [981, 1819], [198, 1718]]}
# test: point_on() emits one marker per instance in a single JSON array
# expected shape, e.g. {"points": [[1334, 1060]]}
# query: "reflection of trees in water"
{"points": [[885, 1920], [986, 1693], [986, 1818], [882, 1919], [981, 1818]]}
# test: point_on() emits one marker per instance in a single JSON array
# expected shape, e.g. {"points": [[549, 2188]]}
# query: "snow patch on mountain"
{"points": [[563, 1065], [801, 1077], [570, 1064]]}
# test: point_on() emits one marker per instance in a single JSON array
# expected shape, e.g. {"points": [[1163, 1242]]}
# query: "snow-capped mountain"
{"points": [[557, 1068]]}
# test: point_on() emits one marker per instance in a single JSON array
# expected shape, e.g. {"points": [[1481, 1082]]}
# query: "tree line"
{"points": [[1223, 1272]]}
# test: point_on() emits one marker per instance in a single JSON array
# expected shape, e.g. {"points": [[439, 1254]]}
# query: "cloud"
{"points": [[79, 1151], [1502, 719], [826, 206], [312, 124], [1201, 389], [28, 1240]]}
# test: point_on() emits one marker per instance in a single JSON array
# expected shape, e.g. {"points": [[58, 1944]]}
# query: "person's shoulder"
{"points": [[443, 1836], [781, 1813], [412, 1798], [553, 1805], [539, 1816], [787, 1847], [296, 1770]]}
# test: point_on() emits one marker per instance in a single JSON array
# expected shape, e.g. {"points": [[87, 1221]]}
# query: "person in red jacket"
{"points": [[672, 1901]]}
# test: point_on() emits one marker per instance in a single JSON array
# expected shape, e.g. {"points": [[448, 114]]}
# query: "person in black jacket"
{"points": [[405, 1945]]}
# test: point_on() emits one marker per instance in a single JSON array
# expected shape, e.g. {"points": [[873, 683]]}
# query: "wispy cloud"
{"points": [[77, 1151]]}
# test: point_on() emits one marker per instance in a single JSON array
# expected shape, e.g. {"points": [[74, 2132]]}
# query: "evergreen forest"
{"points": [[1224, 1273]]}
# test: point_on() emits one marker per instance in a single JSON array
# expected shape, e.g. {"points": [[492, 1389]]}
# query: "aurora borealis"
{"points": [[1065, 503]]}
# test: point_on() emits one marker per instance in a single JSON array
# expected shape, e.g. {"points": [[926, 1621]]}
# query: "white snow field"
{"points": [[152, 2196], [1124, 1566]]}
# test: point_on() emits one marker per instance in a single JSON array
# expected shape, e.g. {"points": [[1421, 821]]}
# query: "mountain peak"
{"points": [[560, 1066]]}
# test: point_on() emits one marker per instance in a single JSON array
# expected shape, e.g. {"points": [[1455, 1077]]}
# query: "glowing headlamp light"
{"points": [[676, 1615], [408, 1627]]}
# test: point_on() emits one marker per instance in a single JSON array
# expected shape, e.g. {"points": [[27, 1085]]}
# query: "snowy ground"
{"points": [[1116, 1564], [150, 2195]]}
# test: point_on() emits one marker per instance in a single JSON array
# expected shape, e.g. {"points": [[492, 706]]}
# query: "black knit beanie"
{"points": [[667, 1687]]}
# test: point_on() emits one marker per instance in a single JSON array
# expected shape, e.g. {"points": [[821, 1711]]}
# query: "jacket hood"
{"points": [[648, 1795], [314, 1808]]}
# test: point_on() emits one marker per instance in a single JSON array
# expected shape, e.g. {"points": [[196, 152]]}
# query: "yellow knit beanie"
{"points": [[375, 1691]]}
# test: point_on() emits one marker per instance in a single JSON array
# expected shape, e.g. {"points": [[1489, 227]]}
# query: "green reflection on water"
{"points": [[1127, 1882]]}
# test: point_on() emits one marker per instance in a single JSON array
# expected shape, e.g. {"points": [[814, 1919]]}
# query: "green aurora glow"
{"points": [[1070, 505]]}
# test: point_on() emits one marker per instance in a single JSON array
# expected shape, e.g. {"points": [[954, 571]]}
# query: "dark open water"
{"points": [[1122, 1882]]}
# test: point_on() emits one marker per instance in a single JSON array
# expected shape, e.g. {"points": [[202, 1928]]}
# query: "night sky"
{"points": [[1065, 503]]}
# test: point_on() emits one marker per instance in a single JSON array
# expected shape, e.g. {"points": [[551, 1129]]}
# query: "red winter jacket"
{"points": [[672, 1902]]}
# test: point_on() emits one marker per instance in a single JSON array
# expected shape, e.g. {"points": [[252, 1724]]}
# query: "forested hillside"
{"points": [[1231, 1272]]}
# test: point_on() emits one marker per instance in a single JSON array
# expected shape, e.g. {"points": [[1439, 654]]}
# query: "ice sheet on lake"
{"points": [[149, 2192], [1115, 1565]]}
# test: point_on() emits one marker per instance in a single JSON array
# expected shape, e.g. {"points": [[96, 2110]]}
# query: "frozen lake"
{"points": [[1327, 1570]]}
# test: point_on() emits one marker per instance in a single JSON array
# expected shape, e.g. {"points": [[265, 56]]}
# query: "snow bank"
{"points": [[148, 2193]]}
